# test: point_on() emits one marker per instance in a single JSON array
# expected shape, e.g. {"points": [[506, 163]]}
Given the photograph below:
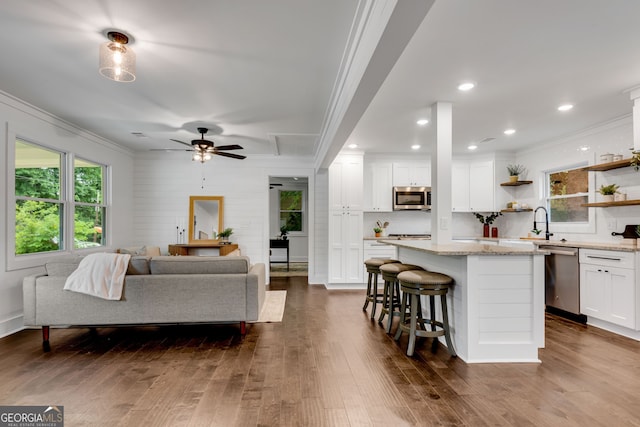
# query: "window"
{"points": [[89, 208], [47, 217], [39, 208], [292, 210], [567, 190]]}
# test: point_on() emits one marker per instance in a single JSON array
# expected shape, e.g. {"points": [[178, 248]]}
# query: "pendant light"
{"points": [[117, 59]]}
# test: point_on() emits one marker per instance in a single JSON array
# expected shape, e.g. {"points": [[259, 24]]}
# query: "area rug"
{"points": [[273, 307], [296, 269]]}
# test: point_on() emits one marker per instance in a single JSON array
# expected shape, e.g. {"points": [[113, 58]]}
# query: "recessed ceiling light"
{"points": [[466, 86], [584, 148], [509, 131], [353, 146], [472, 147], [415, 147], [422, 122], [565, 107]]}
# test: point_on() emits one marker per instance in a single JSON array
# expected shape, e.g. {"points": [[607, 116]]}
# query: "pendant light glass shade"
{"points": [[117, 60]]}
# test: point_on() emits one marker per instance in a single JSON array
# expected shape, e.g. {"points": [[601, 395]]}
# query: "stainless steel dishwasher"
{"points": [[562, 281]]}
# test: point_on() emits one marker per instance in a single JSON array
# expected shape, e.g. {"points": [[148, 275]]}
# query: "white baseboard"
{"points": [[616, 329], [11, 325], [346, 286]]}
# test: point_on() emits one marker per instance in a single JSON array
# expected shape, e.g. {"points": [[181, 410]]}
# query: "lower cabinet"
{"points": [[345, 247], [374, 249], [607, 286]]}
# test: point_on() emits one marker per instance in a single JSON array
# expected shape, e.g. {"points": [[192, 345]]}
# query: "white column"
{"points": [[635, 97], [442, 134]]}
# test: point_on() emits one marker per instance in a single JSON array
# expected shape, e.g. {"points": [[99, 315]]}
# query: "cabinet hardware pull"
{"points": [[604, 257]]}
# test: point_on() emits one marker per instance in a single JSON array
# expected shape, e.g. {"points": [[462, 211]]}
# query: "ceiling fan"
{"points": [[204, 149]]}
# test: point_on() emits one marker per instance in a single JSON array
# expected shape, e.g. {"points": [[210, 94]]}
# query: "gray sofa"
{"points": [[157, 290]]}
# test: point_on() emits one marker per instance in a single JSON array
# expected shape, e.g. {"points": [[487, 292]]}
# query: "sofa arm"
{"points": [[29, 298], [256, 288]]}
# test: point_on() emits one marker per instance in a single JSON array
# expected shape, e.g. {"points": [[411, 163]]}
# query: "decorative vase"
{"points": [[494, 232], [377, 234], [485, 230], [607, 197], [513, 178]]}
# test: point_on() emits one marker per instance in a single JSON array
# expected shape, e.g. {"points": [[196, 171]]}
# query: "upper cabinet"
{"points": [[345, 183], [411, 174], [378, 184], [473, 186]]}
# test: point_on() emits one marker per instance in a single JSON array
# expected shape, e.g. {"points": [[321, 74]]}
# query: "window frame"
{"points": [[303, 211], [67, 201], [569, 227]]}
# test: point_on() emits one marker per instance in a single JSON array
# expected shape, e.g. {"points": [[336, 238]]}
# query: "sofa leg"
{"points": [[46, 347], [243, 328]]}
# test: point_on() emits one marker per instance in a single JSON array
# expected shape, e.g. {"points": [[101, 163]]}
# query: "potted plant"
{"points": [[487, 221], [635, 159], [515, 171], [225, 234], [283, 232], [377, 231], [608, 191]]}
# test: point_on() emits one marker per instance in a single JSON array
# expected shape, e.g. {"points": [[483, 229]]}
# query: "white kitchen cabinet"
{"points": [[374, 249], [411, 174], [345, 183], [607, 286], [473, 186], [345, 220], [345, 247], [378, 184]]}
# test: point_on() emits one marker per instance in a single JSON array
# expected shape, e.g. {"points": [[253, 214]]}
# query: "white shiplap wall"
{"points": [[163, 182], [35, 125]]}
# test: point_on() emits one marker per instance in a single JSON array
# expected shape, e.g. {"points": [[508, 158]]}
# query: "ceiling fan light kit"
{"points": [[203, 149], [117, 59]]}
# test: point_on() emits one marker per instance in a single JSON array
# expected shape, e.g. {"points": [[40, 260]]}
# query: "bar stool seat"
{"points": [[414, 284], [391, 293], [373, 269]]}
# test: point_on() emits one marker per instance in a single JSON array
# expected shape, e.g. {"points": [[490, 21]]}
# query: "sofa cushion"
{"points": [[62, 266], [199, 265], [138, 265], [140, 251]]}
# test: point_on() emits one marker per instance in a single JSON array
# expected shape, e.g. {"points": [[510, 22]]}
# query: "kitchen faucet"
{"points": [[546, 222]]}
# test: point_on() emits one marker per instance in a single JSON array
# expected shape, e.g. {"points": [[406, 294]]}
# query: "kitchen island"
{"points": [[496, 305]]}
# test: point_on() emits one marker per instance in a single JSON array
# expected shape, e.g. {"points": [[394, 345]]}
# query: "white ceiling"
{"points": [[263, 74]]}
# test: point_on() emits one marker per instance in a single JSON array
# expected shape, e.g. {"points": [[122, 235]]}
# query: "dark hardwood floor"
{"points": [[326, 364]]}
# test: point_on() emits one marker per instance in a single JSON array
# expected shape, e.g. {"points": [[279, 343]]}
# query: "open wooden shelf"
{"points": [[610, 165], [608, 204], [516, 210], [515, 183]]}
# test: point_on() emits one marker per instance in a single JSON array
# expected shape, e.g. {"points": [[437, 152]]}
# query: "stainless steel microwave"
{"points": [[411, 198]]}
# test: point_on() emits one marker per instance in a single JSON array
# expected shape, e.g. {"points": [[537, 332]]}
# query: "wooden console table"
{"points": [[193, 248]]}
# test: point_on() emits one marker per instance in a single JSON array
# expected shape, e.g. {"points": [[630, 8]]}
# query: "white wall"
{"points": [[298, 242], [163, 182], [37, 126], [613, 137]]}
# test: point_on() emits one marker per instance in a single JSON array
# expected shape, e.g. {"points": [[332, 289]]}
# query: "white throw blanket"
{"points": [[100, 275]]}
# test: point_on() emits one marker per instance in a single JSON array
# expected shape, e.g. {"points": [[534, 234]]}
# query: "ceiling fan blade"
{"points": [[180, 142], [169, 149], [233, 156], [229, 147]]}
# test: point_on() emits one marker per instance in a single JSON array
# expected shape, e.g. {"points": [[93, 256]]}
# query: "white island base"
{"points": [[496, 305]]}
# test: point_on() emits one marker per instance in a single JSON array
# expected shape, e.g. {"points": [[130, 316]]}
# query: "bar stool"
{"points": [[373, 269], [391, 294], [414, 284]]}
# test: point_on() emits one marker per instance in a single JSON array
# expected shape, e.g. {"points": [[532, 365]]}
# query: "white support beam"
{"points": [[442, 134]]}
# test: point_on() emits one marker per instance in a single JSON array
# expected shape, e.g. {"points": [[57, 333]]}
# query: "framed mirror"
{"points": [[206, 218]]}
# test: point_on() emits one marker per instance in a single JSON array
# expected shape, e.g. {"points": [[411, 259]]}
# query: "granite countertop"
{"points": [[624, 245], [459, 248]]}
